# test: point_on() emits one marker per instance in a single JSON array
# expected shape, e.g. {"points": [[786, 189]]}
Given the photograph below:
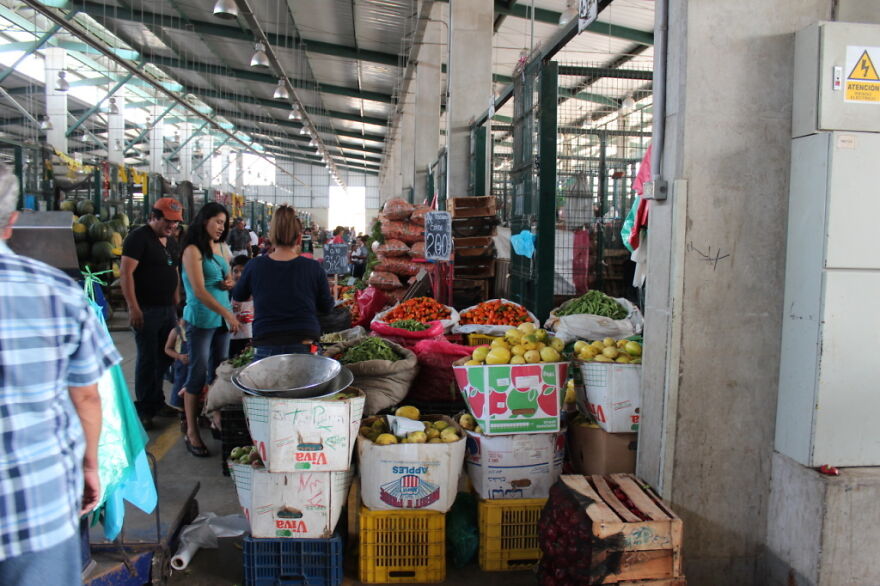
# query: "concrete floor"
{"points": [[178, 470]]}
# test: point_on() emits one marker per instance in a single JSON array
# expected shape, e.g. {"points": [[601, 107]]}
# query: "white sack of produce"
{"points": [[591, 326], [421, 476], [222, 392], [487, 329], [385, 382]]}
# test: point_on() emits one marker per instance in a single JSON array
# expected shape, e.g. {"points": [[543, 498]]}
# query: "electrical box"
{"points": [[828, 379], [836, 78]]}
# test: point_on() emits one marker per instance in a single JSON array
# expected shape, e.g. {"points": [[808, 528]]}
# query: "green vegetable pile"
{"points": [[244, 358], [409, 324], [594, 303], [371, 348]]}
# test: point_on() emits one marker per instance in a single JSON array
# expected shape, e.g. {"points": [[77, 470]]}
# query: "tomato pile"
{"points": [[497, 313], [423, 309], [352, 306]]}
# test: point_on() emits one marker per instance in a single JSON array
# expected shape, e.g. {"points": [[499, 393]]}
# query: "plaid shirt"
{"points": [[50, 339]]}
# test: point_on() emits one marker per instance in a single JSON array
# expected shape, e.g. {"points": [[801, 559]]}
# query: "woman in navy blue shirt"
{"points": [[289, 290]]}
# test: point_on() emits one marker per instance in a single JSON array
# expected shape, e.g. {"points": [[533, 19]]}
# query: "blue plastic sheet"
{"points": [[523, 243]]}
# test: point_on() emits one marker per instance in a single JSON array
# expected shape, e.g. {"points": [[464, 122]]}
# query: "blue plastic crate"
{"points": [[309, 562]]}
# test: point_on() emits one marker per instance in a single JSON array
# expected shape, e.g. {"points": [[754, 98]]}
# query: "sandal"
{"points": [[197, 451]]}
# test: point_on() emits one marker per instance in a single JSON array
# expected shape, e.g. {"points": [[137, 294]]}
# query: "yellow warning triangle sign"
{"points": [[864, 69]]}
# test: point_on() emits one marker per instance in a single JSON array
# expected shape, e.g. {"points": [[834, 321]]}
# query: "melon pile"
{"points": [[98, 243]]}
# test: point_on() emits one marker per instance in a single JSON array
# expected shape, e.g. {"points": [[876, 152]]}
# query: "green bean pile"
{"points": [[594, 303]]}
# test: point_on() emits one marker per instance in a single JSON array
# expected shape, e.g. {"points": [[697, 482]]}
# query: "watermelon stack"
{"points": [[98, 243]]}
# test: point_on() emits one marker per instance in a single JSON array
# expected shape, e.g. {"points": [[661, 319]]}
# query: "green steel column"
{"points": [[96, 191], [545, 247], [478, 161], [19, 172]]}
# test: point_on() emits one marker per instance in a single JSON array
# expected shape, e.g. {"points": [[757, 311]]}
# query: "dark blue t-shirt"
{"points": [[288, 294]]}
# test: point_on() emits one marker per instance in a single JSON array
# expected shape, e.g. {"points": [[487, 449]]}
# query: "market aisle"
{"points": [[177, 468]]}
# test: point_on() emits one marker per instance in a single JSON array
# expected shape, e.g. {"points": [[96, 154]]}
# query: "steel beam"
{"points": [[35, 46], [147, 128], [97, 106], [191, 136]]}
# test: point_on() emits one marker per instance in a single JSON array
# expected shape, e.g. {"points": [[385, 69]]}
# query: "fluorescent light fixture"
{"points": [[225, 9], [260, 59], [281, 92], [62, 85]]}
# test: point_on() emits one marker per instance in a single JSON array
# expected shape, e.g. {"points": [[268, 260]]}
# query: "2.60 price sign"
{"points": [[438, 236]]}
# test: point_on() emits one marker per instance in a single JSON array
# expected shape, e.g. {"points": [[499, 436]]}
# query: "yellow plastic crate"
{"points": [[402, 546], [480, 339], [509, 534]]}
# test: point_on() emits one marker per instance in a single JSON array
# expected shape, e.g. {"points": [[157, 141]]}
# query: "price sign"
{"points": [[335, 259], [438, 236]]}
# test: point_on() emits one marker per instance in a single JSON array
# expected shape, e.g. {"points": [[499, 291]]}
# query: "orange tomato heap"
{"points": [[423, 309], [496, 313]]}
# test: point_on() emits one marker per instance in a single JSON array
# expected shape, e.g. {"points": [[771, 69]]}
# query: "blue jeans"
{"points": [[208, 347], [62, 565], [266, 351], [152, 362], [179, 372]]}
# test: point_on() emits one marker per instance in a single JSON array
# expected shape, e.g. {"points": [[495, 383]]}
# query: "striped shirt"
{"points": [[50, 339]]}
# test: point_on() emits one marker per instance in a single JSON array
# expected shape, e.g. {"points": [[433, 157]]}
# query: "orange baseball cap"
{"points": [[170, 208]]}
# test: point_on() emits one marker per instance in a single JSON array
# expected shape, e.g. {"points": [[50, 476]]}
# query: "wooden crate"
{"points": [[470, 227], [650, 550], [474, 267], [481, 246], [472, 207]]}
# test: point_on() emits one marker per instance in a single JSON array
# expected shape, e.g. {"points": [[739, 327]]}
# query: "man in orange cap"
{"points": [[149, 279]]}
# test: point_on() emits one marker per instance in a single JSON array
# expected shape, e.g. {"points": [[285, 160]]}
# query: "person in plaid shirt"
{"points": [[53, 351]]}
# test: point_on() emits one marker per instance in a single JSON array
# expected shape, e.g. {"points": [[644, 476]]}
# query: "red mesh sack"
{"points": [[370, 301], [417, 250], [397, 209], [393, 248], [418, 215], [383, 280], [396, 295], [400, 266], [406, 231], [436, 379]]}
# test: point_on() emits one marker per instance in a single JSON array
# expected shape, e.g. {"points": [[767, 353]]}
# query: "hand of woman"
{"points": [[227, 284], [232, 323]]}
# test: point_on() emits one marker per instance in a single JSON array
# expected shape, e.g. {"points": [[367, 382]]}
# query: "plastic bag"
{"points": [[626, 229], [335, 320], [406, 231], [523, 243], [397, 209], [462, 537], [392, 248], [369, 302], [383, 280], [486, 329], [595, 327], [436, 379], [418, 215], [417, 250]]}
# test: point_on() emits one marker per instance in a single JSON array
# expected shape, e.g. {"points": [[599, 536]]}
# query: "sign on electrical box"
{"points": [[862, 82], [438, 236]]}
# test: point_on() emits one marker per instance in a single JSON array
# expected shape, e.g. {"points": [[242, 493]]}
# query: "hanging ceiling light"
{"points": [[62, 84], [281, 92], [45, 123], [86, 137], [628, 103], [114, 109], [313, 143], [260, 59], [304, 129], [567, 14], [294, 115], [226, 9]]}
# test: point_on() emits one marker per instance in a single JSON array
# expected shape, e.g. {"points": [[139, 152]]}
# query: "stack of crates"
{"points": [[233, 433]]}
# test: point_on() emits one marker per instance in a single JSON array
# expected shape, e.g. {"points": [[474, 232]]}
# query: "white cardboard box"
{"points": [[303, 505], [410, 476], [295, 435], [613, 395], [521, 466]]}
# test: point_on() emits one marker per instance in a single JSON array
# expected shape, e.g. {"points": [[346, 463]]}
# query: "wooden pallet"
{"points": [[651, 549], [472, 207]]}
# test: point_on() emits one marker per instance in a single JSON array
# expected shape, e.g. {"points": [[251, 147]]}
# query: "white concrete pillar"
{"points": [[56, 101], [223, 180], [239, 172], [116, 129], [186, 152], [427, 107], [407, 143], [157, 140], [470, 82]]}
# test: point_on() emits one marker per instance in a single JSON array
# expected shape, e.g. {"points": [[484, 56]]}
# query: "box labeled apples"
{"points": [[514, 398], [521, 466], [294, 435], [410, 476], [592, 450], [612, 395], [304, 505]]}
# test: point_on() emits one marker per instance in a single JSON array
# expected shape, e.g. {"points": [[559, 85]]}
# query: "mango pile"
{"points": [[435, 432], [609, 350], [524, 344]]}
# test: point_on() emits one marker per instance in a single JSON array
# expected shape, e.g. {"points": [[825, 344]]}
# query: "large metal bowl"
{"points": [[291, 376]]}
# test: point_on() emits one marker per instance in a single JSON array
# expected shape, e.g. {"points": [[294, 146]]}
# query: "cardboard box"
{"points": [[294, 435], [521, 466], [410, 476], [592, 450], [514, 398], [303, 505], [612, 395]]}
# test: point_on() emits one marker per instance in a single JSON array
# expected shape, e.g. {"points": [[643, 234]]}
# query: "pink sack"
{"points": [[436, 379]]}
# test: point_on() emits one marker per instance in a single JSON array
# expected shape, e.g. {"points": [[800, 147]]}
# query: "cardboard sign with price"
{"points": [[438, 236]]}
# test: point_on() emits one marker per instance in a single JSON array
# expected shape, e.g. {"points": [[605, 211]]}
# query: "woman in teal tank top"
{"points": [[208, 311]]}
